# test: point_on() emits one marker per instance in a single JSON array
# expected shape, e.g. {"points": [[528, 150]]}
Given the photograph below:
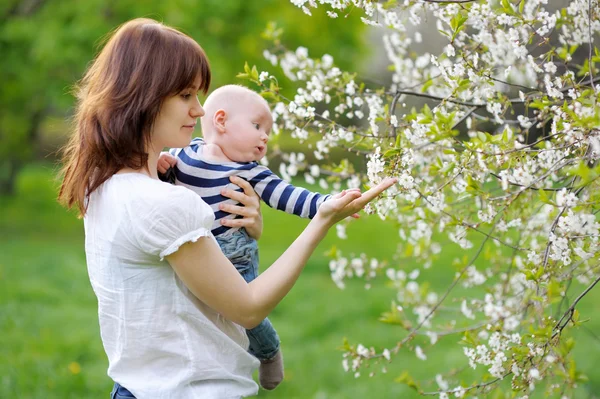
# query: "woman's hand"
{"points": [[349, 202], [252, 218]]}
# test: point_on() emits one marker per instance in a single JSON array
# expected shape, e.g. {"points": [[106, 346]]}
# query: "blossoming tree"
{"points": [[501, 160]]}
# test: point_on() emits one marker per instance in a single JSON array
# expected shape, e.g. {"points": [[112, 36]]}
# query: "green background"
{"points": [[49, 337]]}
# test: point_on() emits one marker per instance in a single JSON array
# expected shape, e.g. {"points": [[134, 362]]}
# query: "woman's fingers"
{"points": [[358, 201], [249, 209], [371, 194], [235, 195], [238, 210], [248, 197], [243, 184], [235, 222], [346, 197]]}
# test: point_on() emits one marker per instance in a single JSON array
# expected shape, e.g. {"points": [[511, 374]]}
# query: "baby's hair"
{"points": [[223, 98], [223, 95]]}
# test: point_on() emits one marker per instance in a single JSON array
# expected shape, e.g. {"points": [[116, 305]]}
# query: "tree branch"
{"points": [[456, 331], [560, 327], [591, 65], [483, 385], [413, 332], [432, 97], [448, 1]]}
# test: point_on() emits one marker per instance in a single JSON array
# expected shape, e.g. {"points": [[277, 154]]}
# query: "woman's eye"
{"points": [[186, 96]]}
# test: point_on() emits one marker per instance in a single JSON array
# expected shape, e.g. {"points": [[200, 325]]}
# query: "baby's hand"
{"points": [[165, 161]]}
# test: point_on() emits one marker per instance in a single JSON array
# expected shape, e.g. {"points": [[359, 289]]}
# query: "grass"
{"points": [[50, 344]]}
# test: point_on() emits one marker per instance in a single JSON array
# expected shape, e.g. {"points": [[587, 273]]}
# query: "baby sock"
{"points": [[270, 372]]}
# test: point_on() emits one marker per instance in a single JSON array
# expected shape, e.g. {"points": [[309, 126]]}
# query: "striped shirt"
{"points": [[208, 178]]}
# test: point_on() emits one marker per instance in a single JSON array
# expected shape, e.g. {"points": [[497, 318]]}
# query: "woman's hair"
{"points": [[143, 63]]}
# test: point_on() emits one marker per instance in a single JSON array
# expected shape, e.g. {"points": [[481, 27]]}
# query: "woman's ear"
{"points": [[219, 120]]}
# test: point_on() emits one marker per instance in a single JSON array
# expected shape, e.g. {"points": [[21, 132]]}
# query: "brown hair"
{"points": [[143, 63]]}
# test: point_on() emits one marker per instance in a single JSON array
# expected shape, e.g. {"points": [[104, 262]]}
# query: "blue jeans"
{"points": [[242, 251], [120, 392]]}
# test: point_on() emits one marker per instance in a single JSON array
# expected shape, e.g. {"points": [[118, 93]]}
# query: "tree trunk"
{"points": [[11, 166], [8, 177]]}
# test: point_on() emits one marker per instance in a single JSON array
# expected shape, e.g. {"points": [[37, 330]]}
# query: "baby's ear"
{"points": [[219, 120]]}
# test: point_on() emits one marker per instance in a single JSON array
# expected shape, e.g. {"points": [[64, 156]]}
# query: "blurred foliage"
{"points": [[46, 46]]}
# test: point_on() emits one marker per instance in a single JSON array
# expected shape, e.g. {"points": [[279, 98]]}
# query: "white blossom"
{"points": [[419, 353]]}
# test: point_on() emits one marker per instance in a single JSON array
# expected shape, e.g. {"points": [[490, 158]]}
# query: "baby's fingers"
{"points": [[162, 166]]}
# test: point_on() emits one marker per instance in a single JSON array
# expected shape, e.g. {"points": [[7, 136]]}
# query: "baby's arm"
{"points": [[283, 196]]}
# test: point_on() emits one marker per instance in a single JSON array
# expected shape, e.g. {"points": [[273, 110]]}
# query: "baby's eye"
{"points": [[256, 126]]}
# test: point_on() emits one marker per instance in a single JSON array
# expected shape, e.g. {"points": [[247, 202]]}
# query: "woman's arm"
{"points": [[212, 278]]}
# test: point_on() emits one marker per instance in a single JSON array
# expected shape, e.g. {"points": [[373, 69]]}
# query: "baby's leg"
{"points": [[265, 345], [242, 251]]}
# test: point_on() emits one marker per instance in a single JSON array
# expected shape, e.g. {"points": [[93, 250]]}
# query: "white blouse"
{"points": [[161, 341]]}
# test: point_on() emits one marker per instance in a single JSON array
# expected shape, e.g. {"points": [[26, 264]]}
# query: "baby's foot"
{"points": [[270, 372]]}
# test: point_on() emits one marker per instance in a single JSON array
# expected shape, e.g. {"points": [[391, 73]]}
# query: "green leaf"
{"points": [[482, 136], [332, 253], [443, 32], [544, 197], [457, 23], [506, 135], [507, 7], [426, 85], [394, 316], [268, 95], [406, 378], [399, 141], [254, 73], [346, 347], [391, 152], [568, 345], [540, 271], [468, 338]]}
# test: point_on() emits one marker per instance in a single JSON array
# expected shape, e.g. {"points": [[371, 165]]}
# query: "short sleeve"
{"points": [[169, 220]]}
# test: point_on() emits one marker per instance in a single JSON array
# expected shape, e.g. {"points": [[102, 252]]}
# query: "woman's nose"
{"points": [[197, 111]]}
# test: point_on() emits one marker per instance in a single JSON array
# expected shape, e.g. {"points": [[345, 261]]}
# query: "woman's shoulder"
{"points": [[145, 194], [156, 215]]}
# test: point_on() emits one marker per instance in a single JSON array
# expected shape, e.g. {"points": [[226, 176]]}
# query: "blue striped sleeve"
{"points": [[283, 196], [300, 202]]}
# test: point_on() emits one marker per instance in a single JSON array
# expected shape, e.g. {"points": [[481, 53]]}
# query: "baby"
{"points": [[236, 130]]}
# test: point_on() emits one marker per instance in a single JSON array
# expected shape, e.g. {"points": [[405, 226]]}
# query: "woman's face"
{"points": [[177, 119]]}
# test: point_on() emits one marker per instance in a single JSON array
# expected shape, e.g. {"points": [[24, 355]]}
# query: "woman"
{"points": [[171, 307]]}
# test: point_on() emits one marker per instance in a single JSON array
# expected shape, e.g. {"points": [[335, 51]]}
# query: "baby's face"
{"points": [[247, 129]]}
